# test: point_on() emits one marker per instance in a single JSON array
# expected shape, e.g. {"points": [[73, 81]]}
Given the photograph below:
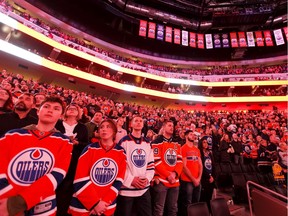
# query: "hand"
{"points": [[211, 179], [172, 178], [75, 142], [196, 182], [156, 181], [139, 183], [100, 208], [3, 207]]}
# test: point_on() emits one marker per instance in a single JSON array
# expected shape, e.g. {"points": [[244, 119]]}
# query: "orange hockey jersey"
{"points": [[167, 159], [99, 176], [32, 166]]}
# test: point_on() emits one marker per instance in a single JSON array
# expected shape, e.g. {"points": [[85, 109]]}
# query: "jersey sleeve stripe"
{"points": [[81, 179], [53, 180], [5, 189], [57, 176], [82, 188]]}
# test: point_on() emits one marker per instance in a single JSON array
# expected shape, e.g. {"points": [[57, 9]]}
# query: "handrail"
{"points": [[263, 188]]}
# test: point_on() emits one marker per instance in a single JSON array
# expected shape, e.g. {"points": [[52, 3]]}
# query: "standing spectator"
{"points": [[78, 134], [20, 116], [92, 108], [168, 167], [39, 98], [265, 153], [192, 172], [225, 148], [121, 132], [207, 180], [6, 101], [93, 126], [134, 195], [99, 175], [46, 154], [237, 146]]}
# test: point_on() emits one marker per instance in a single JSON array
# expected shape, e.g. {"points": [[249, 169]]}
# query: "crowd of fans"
{"points": [[250, 137], [250, 124], [258, 137], [137, 64]]}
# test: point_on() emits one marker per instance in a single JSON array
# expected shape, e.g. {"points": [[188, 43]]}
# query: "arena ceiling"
{"points": [[117, 21]]}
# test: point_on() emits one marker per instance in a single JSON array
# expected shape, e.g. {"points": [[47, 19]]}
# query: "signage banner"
{"points": [[250, 39], [268, 38], [160, 32], [259, 38], [151, 30], [200, 41], [209, 42], [192, 39], [143, 28], [234, 41], [217, 41], [177, 36], [225, 40], [278, 37], [242, 39], [184, 38], [168, 34]]}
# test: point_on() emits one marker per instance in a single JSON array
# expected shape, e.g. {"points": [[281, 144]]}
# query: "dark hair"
{"points": [[167, 121], [54, 99], [113, 126], [29, 95], [8, 105]]}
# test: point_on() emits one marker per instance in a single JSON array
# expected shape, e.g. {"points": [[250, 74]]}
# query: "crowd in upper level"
{"points": [[137, 64]]}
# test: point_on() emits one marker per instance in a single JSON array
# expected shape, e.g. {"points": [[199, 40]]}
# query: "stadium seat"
{"points": [[219, 207], [239, 187], [236, 168], [198, 209]]}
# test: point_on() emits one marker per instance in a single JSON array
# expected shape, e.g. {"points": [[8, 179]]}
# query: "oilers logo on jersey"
{"points": [[138, 157], [170, 156], [29, 165], [208, 164], [104, 171]]}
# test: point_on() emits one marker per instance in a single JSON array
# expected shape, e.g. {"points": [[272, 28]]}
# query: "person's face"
{"points": [[169, 128], [24, 103], [97, 117], [39, 99], [190, 137], [205, 144], [106, 131], [50, 112], [7, 86], [3, 95], [149, 133], [264, 142], [120, 121], [72, 111], [137, 123]]}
